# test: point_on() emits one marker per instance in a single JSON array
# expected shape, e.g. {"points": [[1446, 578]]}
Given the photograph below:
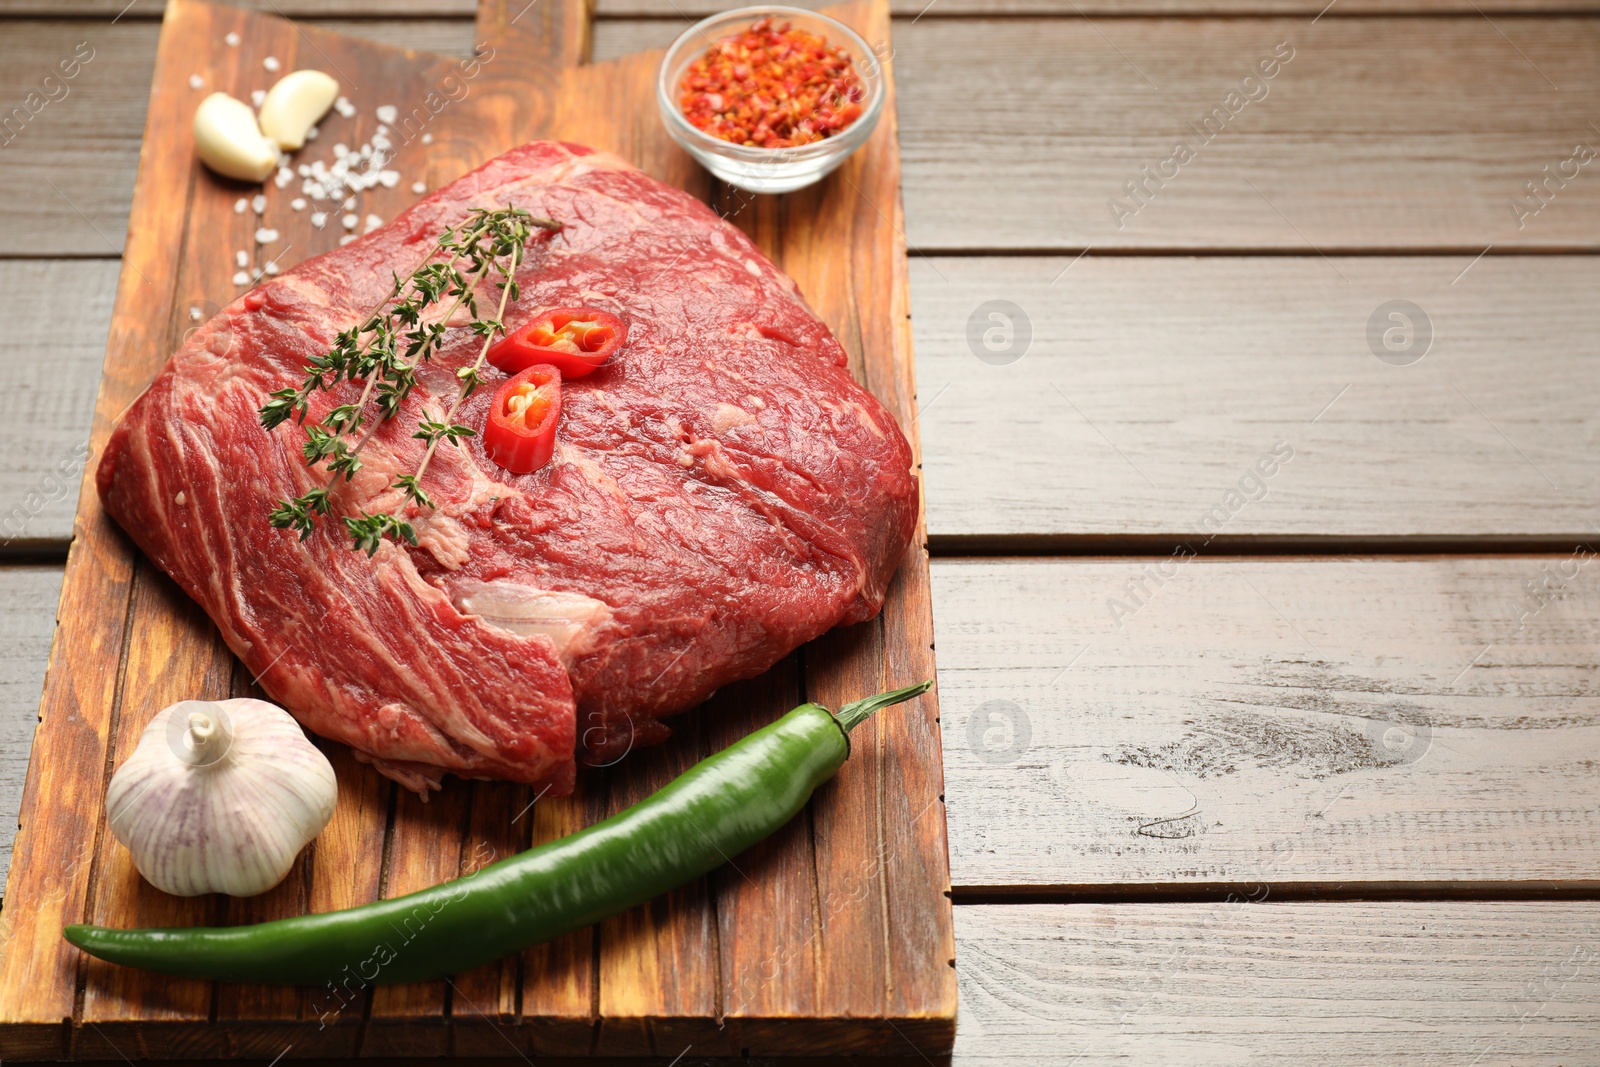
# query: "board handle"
{"points": [[538, 33]]}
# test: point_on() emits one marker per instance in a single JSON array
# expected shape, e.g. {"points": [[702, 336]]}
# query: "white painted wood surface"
{"points": [[680, 10], [1345, 721], [27, 621], [1228, 983], [50, 355], [1149, 388], [1020, 133]]}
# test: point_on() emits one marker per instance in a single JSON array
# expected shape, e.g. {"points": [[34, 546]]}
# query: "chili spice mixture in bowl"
{"points": [[770, 99]]}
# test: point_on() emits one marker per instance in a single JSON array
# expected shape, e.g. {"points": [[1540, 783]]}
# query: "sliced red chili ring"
{"points": [[521, 431], [576, 341]]}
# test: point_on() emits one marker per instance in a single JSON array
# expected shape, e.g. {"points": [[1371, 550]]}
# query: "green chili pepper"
{"points": [[712, 812]]}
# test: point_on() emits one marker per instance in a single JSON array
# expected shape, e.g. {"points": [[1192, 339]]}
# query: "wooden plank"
{"points": [[69, 162], [680, 9], [1420, 722], [144, 10], [1020, 133], [1024, 143], [1231, 982], [923, 10], [1151, 386], [50, 359], [27, 621]]}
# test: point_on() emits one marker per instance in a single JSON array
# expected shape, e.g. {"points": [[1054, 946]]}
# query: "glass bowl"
{"points": [[768, 170]]}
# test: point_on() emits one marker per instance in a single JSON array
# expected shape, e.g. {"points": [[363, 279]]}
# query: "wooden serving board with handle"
{"points": [[832, 937]]}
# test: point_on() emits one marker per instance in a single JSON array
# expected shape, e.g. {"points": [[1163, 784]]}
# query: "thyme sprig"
{"points": [[383, 351]]}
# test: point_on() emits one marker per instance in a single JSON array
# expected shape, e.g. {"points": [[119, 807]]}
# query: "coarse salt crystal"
{"points": [[271, 63], [311, 134], [266, 236], [272, 266], [373, 222], [346, 239], [232, 39], [387, 113], [418, 188], [194, 314], [239, 205], [303, 170], [259, 204], [345, 108], [319, 219], [241, 258], [257, 95], [350, 222], [241, 278], [389, 178], [283, 178], [298, 203], [195, 81], [340, 149], [427, 138]]}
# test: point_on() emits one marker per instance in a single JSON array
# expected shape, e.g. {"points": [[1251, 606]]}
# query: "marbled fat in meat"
{"points": [[721, 492]]}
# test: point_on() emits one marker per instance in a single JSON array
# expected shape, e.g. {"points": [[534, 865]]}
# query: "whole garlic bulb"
{"points": [[220, 797]]}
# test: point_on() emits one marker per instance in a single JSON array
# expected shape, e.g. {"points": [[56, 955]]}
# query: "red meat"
{"points": [[721, 492]]}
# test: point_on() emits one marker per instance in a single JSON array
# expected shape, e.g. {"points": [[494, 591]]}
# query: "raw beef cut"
{"points": [[721, 491]]}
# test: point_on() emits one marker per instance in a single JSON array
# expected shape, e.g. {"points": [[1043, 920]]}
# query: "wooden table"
{"points": [[1262, 483]]}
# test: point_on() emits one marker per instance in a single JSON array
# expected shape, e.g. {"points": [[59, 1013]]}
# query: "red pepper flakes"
{"points": [[772, 86]]}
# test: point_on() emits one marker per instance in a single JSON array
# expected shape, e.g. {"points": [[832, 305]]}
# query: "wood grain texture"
{"points": [[61, 824], [1151, 386], [1360, 142], [1431, 721], [679, 9], [69, 162], [50, 354], [922, 10], [1229, 983], [27, 622], [1024, 143], [652, 981]]}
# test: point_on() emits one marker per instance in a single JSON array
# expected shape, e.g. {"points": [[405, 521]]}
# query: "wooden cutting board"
{"points": [[832, 937]]}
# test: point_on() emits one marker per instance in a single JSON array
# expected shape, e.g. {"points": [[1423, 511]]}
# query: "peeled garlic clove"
{"points": [[220, 797], [228, 140], [295, 104]]}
